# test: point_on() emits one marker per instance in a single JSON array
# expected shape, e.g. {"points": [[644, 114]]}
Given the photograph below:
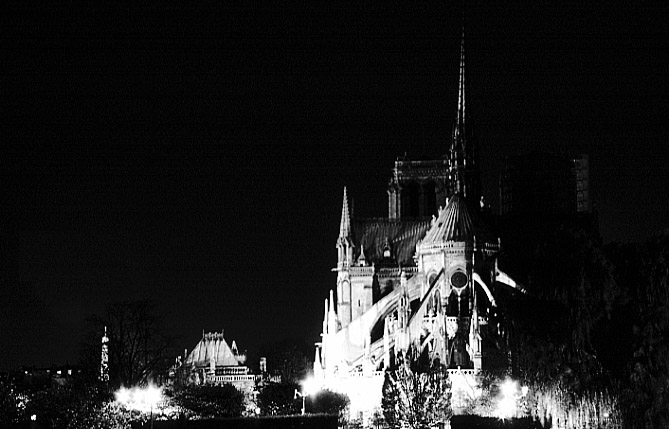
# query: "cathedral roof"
{"points": [[373, 235], [453, 224], [212, 345]]}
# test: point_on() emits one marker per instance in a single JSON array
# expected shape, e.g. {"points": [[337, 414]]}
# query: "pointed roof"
{"points": [[345, 223], [453, 224], [212, 346]]}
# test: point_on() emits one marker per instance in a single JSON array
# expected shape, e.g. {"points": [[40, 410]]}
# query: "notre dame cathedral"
{"points": [[421, 281]]}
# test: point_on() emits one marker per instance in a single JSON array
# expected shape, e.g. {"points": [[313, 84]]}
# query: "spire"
{"points": [[345, 224], [325, 318], [462, 160], [332, 316], [332, 310], [344, 242], [460, 120], [465, 177]]}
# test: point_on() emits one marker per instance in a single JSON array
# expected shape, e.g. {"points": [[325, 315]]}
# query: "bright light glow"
{"points": [[524, 390], [310, 386], [33, 417], [506, 407], [122, 395], [142, 399], [509, 388]]}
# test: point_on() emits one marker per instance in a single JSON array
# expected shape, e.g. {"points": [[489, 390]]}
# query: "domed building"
{"points": [[213, 362]]}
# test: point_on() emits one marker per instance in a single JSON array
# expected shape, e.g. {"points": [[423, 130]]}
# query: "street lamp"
{"points": [[140, 399], [506, 407], [309, 387]]}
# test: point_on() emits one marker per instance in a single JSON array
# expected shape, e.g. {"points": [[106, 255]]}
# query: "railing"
{"points": [[361, 374], [462, 371], [242, 378], [394, 272]]}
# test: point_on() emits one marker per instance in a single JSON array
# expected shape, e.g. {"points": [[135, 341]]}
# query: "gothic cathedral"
{"points": [[419, 283]]}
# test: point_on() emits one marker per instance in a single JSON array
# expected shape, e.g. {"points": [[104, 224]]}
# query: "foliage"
{"points": [[209, 402], [138, 347], [646, 393], [551, 401], [77, 405], [54, 407], [328, 402], [12, 406], [416, 399], [574, 281], [108, 415], [485, 404], [278, 399], [554, 335]]}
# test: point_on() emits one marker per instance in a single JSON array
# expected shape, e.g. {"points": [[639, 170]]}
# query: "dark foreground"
{"points": [[327, 422]]}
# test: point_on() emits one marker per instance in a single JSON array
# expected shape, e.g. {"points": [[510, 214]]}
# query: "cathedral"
{"points": [[421, 282]]}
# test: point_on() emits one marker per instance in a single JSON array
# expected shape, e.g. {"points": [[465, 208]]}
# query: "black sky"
{"points": [[197, 156]]}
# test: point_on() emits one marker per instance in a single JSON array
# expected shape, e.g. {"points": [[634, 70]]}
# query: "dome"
{"points": [[453, 224]]}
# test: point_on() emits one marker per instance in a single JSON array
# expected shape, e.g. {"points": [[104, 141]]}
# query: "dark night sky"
{"points": [[197, 156]]}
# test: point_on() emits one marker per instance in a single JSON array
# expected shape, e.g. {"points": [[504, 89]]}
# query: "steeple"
{"points": [[332, 316], [464, 174], [345, 223], [344, 242]]}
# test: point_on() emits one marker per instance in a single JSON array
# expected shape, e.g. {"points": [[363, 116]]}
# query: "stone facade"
{"points": [[420, 282]]}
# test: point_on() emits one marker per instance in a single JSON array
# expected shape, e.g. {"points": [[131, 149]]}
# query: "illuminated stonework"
{"points": [[213, 362], [418, 286]]}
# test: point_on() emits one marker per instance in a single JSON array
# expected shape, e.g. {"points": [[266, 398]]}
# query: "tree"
{"points": [[138, 347], [328, 402], [76, 405], [647, 388], [553, 333], [278, 399], [210, 402], [417, 399], [11, 406]]}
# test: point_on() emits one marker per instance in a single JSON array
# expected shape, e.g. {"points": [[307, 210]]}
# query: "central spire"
{"points": [[464, 174], [460, 120]]}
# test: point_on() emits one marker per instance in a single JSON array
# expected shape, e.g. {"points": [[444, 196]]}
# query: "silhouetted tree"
{"points": [[647, 387], [416, 399], [278, 399], [138, 346], [328, 402], [208, 402], [552, 333]]}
